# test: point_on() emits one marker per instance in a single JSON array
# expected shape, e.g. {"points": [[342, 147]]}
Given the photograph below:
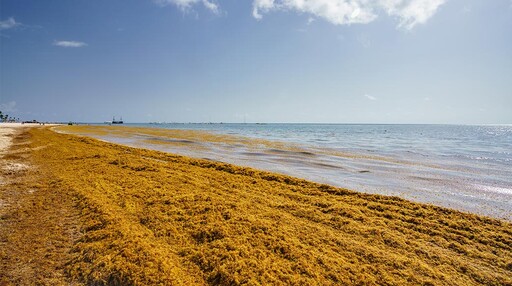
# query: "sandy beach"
{"points": [[31, 234], [261, 142], [9, 130], [90, 212], [6, 131]]}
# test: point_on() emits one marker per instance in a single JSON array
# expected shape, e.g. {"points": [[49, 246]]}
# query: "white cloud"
{"points": [[339, 12], [335, 11], [69, 44], [261, 5], [8, 24], [345, 12], [211, 6], [370, 97], [411, 12], [8, 107], [185, 5]]}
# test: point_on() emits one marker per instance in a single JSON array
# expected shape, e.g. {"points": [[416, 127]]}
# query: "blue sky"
{"points": [[332, 61]]}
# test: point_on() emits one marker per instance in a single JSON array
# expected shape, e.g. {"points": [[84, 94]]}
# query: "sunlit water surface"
{"points": [[463, 167]]}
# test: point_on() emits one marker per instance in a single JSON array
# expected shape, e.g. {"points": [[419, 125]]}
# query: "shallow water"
{"points": [[463, 167]]}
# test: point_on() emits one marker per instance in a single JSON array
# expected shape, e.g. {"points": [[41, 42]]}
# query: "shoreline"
{"points": [[415, 179], [163, 219]]}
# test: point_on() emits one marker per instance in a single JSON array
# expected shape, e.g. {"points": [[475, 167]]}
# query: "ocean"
{"points": [[465, 167]]}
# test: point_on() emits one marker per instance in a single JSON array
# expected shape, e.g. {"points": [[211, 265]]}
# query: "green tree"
{"points": [[3, 118]]}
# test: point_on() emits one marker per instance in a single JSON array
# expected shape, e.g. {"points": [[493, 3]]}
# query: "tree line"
{"points": [[6, 118]]}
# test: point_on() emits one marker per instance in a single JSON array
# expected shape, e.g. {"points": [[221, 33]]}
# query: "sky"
{"points": [[287, 61]]}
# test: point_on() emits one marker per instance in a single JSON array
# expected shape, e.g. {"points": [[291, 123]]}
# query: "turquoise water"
{"points": [[463, 167]]}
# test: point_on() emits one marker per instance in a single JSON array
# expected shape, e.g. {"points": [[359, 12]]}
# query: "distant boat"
{"points": [[114, 121]]}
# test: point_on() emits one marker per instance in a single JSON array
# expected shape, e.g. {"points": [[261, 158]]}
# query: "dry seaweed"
{"points": [[152, 218]]}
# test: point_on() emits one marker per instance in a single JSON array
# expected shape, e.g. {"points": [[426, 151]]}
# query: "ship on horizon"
{"points": [[114, 121]]}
